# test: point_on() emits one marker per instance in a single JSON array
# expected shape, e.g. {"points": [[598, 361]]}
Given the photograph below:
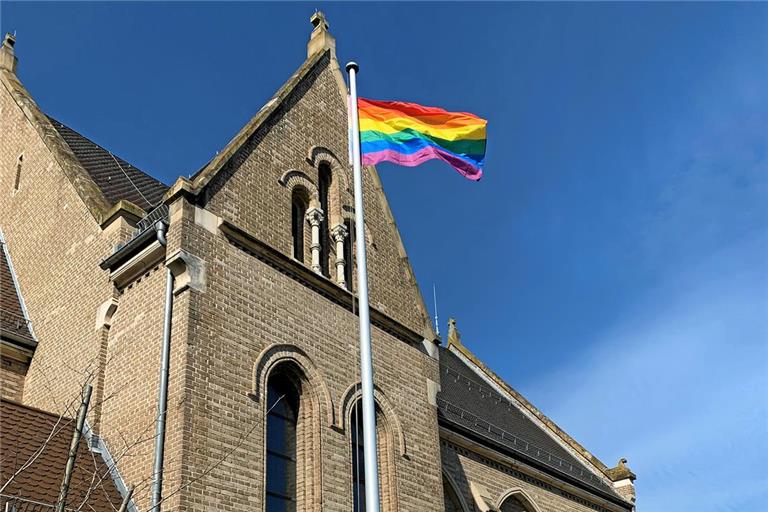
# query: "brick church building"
{"points": [[264, 360]]}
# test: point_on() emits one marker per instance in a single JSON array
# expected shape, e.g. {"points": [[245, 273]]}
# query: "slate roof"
{"points": [[116, 178], [23, 431], [14, 326], [465, 402]]}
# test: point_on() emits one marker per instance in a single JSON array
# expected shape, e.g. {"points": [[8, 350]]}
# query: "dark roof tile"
{"points": [[13, 322], [116, 178], [467, 402]]}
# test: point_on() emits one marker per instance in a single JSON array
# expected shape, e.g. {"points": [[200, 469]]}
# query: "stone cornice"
{"points": [[498, 455], [312, 280]]}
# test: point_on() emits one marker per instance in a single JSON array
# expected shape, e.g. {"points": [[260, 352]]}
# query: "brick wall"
{"points": [[56, 246], [247, 191], [12, 378], [465, 466]]}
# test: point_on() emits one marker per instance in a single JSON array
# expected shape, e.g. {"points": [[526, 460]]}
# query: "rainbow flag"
{"points": [[409, 134]]}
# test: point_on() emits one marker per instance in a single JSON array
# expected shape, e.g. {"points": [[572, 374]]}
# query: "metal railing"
{"points": [[10, 321], [507, 438], [147, 222]]}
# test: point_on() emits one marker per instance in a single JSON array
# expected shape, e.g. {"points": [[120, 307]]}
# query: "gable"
{"points": [[302, 128], [100, 179]]}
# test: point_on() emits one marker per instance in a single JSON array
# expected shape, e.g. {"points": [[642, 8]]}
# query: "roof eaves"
{"points": [[500, 448]]}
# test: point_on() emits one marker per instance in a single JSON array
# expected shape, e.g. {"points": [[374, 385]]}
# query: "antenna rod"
{"points": [[437, 323]]}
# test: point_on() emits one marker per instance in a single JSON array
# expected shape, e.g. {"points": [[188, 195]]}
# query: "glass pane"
{"points": [[281, 436], [359, 497], [278, 504], [281, 475], [282, 401]]}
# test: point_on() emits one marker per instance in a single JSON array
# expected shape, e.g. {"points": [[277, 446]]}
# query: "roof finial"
{"points": [[454, 338], [321, 39], [319, 21], [8, 58]]}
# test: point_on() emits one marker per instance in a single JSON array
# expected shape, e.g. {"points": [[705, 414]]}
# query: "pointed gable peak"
{"points": [[320, 39], [454, 337]]}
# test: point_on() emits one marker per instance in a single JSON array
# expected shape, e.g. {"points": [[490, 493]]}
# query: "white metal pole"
{"points": [[366, 367]]}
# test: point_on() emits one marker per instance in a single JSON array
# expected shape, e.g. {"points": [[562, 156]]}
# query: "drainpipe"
{"points": [[162, 400]]}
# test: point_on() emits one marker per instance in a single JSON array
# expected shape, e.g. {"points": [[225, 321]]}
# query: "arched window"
{"points": [[298, 214], [513, 504], [451, 500], [282, 420], [358, 459], [384, 450], [323, 188]]}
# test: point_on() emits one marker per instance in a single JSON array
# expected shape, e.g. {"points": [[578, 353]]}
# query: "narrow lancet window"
{"points": [[358, 460], [323, 187], [298, 212], [17, 181], [282, 419]]}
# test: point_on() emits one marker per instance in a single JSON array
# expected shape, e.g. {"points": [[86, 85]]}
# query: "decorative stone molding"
{"points": [[339, 234], [142, 262], [519, 494], [293, 178], [188, 271], [105, 312], [315, 216], [623, 480], [354, 393], [284, 353], [462, 502], [482, 499], [341, 188]]}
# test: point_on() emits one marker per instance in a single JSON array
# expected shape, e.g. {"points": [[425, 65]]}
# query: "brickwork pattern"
{"points": [[464, 466], [56, 246], [12, 379], [248, 194]]}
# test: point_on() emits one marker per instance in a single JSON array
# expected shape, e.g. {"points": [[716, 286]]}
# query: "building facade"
{"points": [[264, 382]]}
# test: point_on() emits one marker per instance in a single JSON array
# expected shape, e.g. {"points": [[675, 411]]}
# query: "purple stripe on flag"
{"points": [[428, 153]]}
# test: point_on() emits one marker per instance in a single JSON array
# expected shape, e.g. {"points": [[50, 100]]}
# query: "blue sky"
{"points": [[612, 264]]}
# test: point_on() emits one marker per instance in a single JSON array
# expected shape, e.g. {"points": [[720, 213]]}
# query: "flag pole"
{"points": [[366, 367]]}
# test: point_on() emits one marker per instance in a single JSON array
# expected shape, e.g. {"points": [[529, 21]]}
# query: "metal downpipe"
{"points": [[162, 399]]}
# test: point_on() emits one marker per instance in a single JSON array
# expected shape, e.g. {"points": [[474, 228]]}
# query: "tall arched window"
{"points": [[298, 214], [323, 188], [451, 500], [282, 420], [513, 504], [358, 459], [386, 456]]}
